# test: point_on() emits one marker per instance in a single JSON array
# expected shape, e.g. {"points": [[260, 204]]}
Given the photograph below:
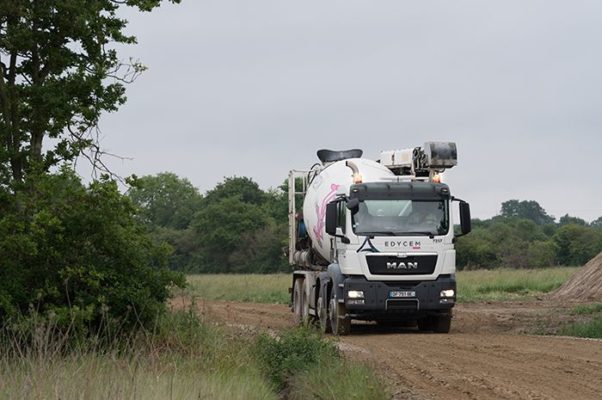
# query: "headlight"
{"points": [[448, 293], [355, 294]]}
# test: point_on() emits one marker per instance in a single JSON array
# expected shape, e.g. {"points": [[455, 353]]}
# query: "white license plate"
{"points": [[402, 293]]}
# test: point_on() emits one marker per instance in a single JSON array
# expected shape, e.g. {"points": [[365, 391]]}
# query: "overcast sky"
{"points": [[254, 88]]}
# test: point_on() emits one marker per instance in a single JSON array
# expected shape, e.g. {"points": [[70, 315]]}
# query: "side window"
{"points": [[341, 215]]}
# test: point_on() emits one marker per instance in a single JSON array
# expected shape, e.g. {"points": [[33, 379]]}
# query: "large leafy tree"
{"points": [[165, 200], [59, 71], [221, 227], [526, 209], [243, 188]]}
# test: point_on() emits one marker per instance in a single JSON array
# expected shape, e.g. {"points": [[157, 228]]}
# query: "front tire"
{"points": [[339, 321], [436, 323], [442, 323]]}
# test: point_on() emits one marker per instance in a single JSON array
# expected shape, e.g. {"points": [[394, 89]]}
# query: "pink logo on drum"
{"points": [[321, 213]]}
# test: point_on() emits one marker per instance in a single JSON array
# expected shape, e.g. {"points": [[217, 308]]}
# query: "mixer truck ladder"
{"points": [[292, 209]]}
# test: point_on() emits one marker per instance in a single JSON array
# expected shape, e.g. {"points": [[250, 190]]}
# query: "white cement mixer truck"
{"points": [[374, 240]]}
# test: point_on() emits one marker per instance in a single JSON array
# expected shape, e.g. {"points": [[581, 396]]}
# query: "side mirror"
{"points": [[353, 205], [465, 224], [331, 218]]}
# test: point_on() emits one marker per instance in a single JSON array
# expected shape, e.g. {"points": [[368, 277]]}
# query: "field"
{"points": [[473, 286]]}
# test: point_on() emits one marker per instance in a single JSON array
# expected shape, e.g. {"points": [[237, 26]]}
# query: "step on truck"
{"points": [[374, 240]]}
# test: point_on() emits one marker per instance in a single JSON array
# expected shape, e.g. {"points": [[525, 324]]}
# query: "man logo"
{"points": [[402, 265]]}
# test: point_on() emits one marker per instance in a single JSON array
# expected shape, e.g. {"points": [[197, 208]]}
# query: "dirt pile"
{"points": [[585, 285]]}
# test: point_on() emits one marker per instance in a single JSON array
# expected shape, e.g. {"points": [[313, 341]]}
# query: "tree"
{"points": [[242, 188], [221, 228], [567, 219], [165, 200], [476, 251], [526, 209], [577, 244], [59, 71], [541, 254], [597, 223]]}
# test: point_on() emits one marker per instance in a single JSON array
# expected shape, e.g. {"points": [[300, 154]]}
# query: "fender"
{"points": [[323, 282], [337, 278]]}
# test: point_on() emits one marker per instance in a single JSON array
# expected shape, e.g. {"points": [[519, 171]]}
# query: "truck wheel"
{"points": [[339, 322], [298, 301], [442, 323], [305, 317], [436, 323], [323, 314]]}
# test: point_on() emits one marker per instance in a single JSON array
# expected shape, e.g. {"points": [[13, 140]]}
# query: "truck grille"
{"points": [[393, 265]]}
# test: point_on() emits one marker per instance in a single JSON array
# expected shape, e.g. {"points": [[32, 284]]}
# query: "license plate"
{"points": [[402, 293]]}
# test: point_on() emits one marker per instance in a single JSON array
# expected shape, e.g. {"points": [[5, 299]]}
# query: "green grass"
{"points": [[589, 324], [473, 286], [588, 329], [252, 288], [587, 309], [184, 358], [510, 284]]}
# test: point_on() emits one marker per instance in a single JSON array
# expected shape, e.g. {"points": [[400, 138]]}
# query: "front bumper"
{"points": [[421, 297]]}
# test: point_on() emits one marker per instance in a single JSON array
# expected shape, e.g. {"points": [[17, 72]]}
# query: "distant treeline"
{"points": [[234, 227], [525, 236], [238, 227]]}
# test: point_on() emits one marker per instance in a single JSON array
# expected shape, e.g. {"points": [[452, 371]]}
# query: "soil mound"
{"points": [[585, 285]]}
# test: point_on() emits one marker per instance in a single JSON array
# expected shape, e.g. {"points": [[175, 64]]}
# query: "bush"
{"points": [[338, 380], [77, 254], [293, 352]]}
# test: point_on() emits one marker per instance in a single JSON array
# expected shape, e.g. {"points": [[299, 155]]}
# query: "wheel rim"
{"points": [[297, 303], [323, 314], [304, 307], [332, 312]]}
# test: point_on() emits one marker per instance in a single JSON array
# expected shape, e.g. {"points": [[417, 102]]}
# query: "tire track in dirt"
{"points": [[486, 356]]}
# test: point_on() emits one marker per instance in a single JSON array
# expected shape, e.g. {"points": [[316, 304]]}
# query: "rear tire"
{"points": [[305, 317], [298, 301], [339, 321]]}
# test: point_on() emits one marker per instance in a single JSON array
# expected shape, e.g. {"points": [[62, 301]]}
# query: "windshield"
{"points": [[401, 218]]}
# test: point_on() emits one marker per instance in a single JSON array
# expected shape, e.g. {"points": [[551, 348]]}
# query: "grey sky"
{"points": [[255, 88]]}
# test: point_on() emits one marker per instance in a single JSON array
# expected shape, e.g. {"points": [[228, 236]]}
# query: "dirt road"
{"points": [[486, 356]]}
